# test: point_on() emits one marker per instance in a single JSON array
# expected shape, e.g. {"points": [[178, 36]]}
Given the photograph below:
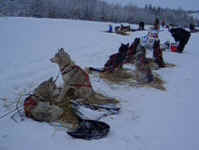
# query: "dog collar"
{"points": [[62, 69]]}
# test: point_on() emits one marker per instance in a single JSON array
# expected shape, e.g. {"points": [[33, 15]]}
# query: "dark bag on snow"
{"points": [[90, 129]]}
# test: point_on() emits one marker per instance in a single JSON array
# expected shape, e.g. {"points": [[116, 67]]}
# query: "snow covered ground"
{"points": [[149, 120]]}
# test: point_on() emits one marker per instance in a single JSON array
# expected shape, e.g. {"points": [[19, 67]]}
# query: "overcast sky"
{"points": [[185, 4]]}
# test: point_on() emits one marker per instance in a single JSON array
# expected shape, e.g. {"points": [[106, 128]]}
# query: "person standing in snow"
{"points": [[163, 23], [110, 28], [156, 25], [141, 26], [182, 36]]}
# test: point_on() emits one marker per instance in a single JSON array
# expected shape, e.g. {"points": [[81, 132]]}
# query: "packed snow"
{"points": [[150, 119]]}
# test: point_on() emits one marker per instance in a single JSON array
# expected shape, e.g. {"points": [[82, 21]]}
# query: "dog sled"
{"points": [[86, 127], [122, 33], [43, 105], [121, 30]]}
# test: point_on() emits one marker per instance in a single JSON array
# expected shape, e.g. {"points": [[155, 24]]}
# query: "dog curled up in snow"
{"points": [[40, 105], [47, 91], [75, 78]]}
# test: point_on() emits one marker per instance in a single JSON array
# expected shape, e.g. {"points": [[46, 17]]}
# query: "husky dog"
{"points": [[143, 70], [130, 58], [157, 54], [73, 76], [40, 105], [47, 91]]}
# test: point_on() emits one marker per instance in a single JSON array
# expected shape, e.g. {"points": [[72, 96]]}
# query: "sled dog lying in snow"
{"points": [[73, 76], [143, 70], [39, 106]]}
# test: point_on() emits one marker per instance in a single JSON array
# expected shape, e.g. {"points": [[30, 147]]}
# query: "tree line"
{"points": [[94, 10]]}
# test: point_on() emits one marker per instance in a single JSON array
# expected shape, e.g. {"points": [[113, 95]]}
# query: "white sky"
{"points": [[185, 4]]}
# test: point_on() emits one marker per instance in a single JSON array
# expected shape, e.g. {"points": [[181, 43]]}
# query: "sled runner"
{"points": [[100, 111]]}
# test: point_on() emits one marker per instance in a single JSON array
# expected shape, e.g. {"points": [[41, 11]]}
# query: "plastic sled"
{"points": [[90, 130]]}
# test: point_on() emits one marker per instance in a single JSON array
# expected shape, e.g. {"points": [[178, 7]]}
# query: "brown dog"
{"points": [[143, 70], [73, 76]]}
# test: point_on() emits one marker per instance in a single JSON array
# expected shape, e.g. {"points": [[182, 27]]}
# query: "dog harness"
{"points": [[29, 104], [64, 71]]}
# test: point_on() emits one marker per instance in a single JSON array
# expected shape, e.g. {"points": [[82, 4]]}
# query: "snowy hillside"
{"points": [[150, 119]]}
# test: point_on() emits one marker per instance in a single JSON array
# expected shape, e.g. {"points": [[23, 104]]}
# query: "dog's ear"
{"points": [[127, 44], [61, 50], [50, 79]]}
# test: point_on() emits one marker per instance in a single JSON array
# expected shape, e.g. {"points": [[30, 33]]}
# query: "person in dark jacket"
{"points": [[110, 28], [156, 25], [141, 26], [182, 36]]}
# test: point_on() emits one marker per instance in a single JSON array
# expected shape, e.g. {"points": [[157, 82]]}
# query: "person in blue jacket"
{"points": [[110, 28]]}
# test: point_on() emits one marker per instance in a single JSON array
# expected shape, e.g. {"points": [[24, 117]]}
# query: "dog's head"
{"points": [[141, 53], [135, 43], [124, 48], [46, 90], [61, 58]]}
